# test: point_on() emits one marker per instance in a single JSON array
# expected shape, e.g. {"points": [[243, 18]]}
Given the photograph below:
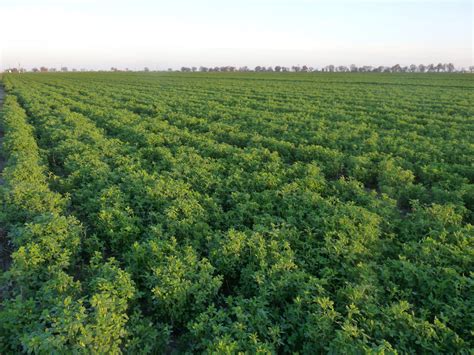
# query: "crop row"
{"points": [[214, 221]]}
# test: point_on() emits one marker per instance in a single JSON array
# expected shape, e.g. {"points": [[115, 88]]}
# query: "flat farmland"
{"points": [[237, 212]]}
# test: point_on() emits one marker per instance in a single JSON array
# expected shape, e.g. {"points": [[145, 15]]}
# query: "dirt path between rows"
{"points": [[5, 251]]}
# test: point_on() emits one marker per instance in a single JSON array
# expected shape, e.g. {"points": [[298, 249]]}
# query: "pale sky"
{"points": [[161, 34]]}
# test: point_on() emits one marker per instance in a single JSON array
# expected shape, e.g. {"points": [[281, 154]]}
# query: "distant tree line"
{"points": [[42, 70], [397, 68]]}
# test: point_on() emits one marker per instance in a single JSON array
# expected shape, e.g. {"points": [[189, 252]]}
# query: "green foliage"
{"points": [[26, 193], [110, 288], [180, 284], [145, 336], [237, 329], [238, 213]]}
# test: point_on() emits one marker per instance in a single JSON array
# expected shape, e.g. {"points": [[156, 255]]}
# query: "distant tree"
{"points": [[278, 68], [471, 68], [146, 69], [227, 69], [43, 69], [396, 68], [64, 69], [439, 67], [296, 68], [35, 70], [421, 68], [305, 69], [353, 68], [450, 67], [194, 69], [413, 68]]}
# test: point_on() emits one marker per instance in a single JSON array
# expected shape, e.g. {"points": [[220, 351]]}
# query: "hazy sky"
{"points": [[162, 34]]}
